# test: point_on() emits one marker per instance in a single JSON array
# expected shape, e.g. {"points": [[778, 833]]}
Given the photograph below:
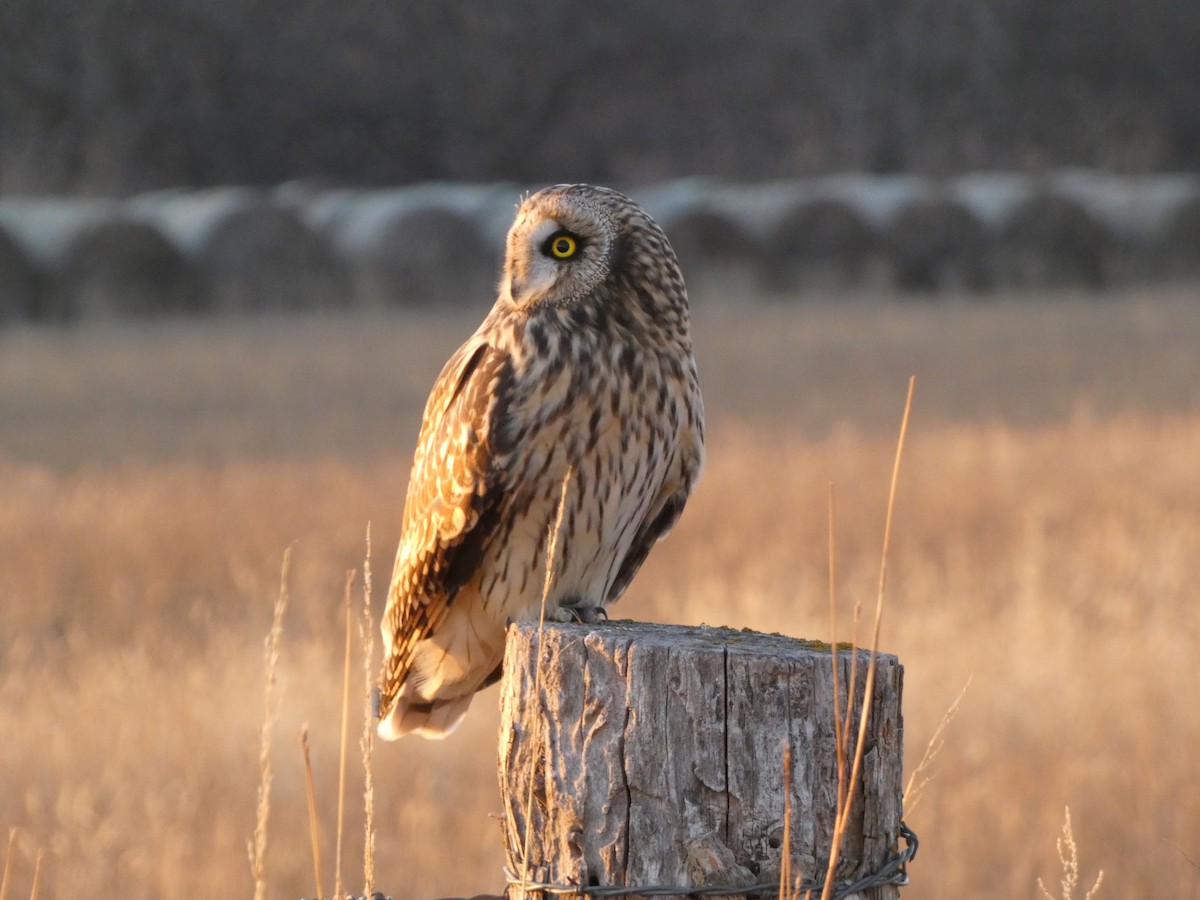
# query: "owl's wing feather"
{"points": [[655, 527], [667, 507], [450, 510]]}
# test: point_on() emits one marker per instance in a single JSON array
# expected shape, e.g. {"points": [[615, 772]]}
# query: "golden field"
{"points": [[1046, 549]]}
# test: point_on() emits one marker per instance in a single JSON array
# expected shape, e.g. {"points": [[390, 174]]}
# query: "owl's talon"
{"points": [[581, 613], [563, 614]]}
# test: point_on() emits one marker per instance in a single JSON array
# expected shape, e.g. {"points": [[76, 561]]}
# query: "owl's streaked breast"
{"points": [[603, 408]]}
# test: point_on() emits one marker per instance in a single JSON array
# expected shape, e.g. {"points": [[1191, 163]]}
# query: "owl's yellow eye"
{"points": [[562, 245]]}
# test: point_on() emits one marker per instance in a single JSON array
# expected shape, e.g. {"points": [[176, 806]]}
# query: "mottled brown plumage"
{"points": [[584, 364]]}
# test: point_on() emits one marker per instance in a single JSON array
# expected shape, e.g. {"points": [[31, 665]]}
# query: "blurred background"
{"points": [[238, 239], [256, 154], [118, 96]]}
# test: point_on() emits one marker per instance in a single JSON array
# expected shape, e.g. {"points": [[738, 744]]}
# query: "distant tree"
{"points": [[104, 96]]}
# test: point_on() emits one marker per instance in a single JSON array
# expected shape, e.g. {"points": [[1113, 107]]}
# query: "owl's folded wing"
{"points": [[450, 510]]}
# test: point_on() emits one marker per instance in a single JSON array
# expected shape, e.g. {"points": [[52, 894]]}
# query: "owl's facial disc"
{"points": [[538, 270], [555, 256]]}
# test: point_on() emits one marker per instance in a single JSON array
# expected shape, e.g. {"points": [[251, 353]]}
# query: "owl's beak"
{"points": [[526, 287], [516, 289]]}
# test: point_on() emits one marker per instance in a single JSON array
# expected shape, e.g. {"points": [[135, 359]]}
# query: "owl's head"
{"points": [[570, 240]]}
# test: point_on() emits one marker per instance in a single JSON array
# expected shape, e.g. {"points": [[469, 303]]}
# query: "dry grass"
{"points": [[1046, 544], [366, 742], [258, 846], [1068, 856]]}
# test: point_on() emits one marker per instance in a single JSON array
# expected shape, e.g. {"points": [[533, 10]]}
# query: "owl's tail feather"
{"points": [[464, 656], [429, 719]]}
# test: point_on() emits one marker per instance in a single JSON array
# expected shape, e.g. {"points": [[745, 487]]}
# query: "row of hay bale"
{"points": [[973, 233], [231, 249], [300, 247]]}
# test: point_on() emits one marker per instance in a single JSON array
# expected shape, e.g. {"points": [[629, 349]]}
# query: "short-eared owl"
{"points": [[584, 365]]}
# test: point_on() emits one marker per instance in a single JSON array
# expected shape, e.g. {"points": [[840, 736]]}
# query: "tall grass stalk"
{"points": [[1068, 856], [785, 860], [341, 808], [838, 741], [843, 814], [551, 549], [367, 635], [258, 844], [37, 873], [918, 779], [311, 793], [8, 858]]}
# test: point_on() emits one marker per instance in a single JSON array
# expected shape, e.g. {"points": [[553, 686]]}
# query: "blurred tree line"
{"points": [[114, 96]]}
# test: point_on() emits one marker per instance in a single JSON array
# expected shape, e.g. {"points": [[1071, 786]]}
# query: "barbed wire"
{"points": [[894, 871]]}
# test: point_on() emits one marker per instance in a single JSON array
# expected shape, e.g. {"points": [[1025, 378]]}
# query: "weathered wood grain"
{"points": [[653, 754]]}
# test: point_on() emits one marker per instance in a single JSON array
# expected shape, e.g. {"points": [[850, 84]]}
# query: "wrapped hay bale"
{"points": [[1181, 241], [714, 248], [876, 198], [1155, 204], [992, 197], [938, 244], [325, 211], [253, 254], [417, 247], [123, 268], [1053, 241], [717, 248], [18, 281], [98, 262], [821, 242], [1129, 209]]}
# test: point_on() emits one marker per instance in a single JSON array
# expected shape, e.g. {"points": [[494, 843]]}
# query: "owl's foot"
{"points": [[581, 612]]}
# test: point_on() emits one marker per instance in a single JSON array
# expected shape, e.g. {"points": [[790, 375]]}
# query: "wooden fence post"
{"points": [[653, 755]]}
